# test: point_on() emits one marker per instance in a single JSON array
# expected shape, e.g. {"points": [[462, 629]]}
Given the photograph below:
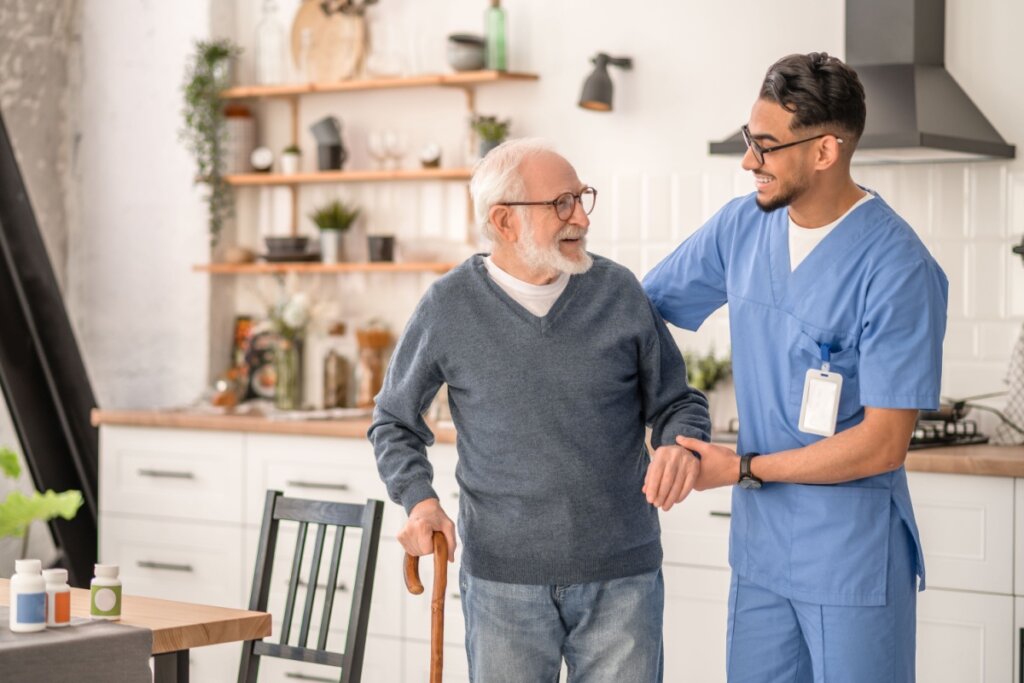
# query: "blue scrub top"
{"points": [[873, 293]]}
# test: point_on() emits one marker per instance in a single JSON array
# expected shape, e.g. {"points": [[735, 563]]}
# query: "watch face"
{"points": [[750, 483]]}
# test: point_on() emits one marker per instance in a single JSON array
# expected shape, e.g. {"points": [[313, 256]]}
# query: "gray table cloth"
{"points": [[85, 652]]}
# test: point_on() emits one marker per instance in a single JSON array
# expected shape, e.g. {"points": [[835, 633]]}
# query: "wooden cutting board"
{"points": [[337, 46]]}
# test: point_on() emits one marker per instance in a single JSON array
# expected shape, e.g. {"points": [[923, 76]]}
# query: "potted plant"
{"points": [[491, 130], [333, 218], [291, 158], [207, 74], [18, 511]]}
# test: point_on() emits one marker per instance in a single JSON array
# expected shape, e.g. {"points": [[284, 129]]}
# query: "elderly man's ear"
{"points": [[504, 222]]}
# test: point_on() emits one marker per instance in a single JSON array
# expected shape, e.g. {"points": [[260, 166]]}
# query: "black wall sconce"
{"points": [[1019, 249], [597, 89]]}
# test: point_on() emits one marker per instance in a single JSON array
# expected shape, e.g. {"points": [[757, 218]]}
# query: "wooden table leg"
{"points": [[171, 667]]}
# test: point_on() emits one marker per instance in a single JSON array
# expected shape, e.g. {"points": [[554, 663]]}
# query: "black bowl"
{"points": [[286, 245]]}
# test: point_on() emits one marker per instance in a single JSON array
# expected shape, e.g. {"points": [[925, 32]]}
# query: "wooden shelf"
{"points": [[369, 176], [458, 79], [312, 267]]}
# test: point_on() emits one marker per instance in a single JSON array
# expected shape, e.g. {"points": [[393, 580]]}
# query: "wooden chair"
{"points": [[321, 514]]}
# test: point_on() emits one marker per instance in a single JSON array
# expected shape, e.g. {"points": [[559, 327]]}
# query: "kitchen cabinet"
{"points": [[965, 637]]}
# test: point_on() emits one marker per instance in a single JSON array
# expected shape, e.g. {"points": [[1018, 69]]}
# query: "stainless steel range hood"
{"points": [[917, 112]]}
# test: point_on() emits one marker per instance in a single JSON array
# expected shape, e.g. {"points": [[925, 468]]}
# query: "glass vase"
{"points": [[288, 368]]}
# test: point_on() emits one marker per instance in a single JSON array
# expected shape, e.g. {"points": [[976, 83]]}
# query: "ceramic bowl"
{"points": [[466, 52]]}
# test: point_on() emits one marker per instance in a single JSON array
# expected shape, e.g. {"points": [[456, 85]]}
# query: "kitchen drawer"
{"points": [[1018, 581], [966, 525], [320, 468], [388, 585], [696, 531], [214, 663], [964, 637], [171, 473], [696, 612], [185, 561], [382, 663]]}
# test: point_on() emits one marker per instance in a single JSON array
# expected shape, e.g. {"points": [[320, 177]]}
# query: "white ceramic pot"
{"points": [[290, 163], [330, 246]]}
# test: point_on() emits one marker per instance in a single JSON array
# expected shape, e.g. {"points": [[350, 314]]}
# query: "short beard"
{"points": [[551, 259], [790, 195]]}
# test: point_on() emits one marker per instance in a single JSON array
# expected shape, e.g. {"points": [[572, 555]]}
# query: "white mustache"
{"points": [[570, 233]]}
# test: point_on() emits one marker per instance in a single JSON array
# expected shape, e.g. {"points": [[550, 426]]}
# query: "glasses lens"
{"points": [[752, 145], [587, 200], [564, 205]]}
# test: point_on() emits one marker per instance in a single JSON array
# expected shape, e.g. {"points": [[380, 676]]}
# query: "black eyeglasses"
{"points": [[755, 147], [565, 203]]}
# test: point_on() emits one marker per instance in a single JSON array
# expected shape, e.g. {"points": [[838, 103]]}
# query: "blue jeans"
{"points": [[606, 630]]}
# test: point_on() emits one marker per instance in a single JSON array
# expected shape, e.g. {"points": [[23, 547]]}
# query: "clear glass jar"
{"points": [[270, 54]]}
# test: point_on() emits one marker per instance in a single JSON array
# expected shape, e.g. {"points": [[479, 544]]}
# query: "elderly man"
{"points": [[555, 361]]}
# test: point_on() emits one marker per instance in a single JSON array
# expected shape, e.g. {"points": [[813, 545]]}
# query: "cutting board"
{"points": [[338, 42]]}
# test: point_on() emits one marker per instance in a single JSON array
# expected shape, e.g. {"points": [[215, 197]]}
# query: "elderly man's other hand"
{"points": [[720, 466], [671, 476], [417, 536]]}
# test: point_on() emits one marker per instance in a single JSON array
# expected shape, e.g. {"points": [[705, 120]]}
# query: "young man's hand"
{"points": [[671, 476], [720, 466], [417, 536]]}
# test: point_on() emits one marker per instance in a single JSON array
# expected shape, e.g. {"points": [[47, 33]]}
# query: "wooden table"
{"points": [[177, 627]]}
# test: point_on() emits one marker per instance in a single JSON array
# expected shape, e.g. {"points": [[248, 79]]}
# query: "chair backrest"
{"points": [[322, 515]]}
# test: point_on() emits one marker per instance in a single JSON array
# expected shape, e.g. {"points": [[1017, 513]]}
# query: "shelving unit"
{"points": [[369, 176], [286, 267]]}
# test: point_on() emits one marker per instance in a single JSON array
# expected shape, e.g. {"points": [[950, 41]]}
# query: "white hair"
{"points": [[497, 178]]}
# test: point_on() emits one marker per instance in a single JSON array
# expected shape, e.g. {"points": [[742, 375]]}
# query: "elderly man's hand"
{"points": [[671, 476], [417, 536], [720, 466]]}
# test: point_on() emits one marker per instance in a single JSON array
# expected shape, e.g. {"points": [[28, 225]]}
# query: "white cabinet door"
{"points": [[171, 473], [964, 637], [966, 525], [696, 612], [382, 663], [696, 531]]}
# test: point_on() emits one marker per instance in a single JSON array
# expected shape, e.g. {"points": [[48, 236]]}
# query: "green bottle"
{"points": [[495, 20]]}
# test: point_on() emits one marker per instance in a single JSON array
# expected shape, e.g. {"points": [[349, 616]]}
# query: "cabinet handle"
{"points": [[166, 474], [147, 564], [455, 596], [720, 513], [306, 677], [317, 485], [342, 586]]}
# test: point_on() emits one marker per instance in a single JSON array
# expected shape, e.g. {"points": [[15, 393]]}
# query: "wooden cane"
{"points": [[415, 586]]}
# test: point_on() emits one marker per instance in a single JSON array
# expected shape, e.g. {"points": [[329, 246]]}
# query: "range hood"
{"points": [[917, 113]]}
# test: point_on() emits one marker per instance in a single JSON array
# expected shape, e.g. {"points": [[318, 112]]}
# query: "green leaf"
{"points": [[19, 510], [9, 463]]}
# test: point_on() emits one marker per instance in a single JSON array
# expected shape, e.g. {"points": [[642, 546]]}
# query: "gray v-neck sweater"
{"points": [[550, 415]]}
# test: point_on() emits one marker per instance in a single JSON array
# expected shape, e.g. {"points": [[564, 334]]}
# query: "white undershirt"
{"points": [[802, 241], [537, 299]]}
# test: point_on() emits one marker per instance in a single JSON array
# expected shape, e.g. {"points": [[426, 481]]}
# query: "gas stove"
{"points": [[945, 432]]}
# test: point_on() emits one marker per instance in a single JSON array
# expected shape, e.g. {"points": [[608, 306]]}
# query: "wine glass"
{"points": [[395, 144], [376, 145]]}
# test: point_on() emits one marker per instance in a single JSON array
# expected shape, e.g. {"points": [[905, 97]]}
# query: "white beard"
{"points": [[551, 259]]}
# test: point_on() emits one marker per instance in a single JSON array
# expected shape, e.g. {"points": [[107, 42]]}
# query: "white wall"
{"points": [[697, 70]]}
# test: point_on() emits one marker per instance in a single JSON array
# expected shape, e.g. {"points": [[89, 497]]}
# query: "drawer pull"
{"points": [[166, 474], [720, 513], [148, 564], [317, 485], [306, 677], [341, 586]]}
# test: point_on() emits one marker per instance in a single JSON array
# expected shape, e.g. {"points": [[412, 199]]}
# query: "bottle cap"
{"points": [[107, 571], [28, 566], [57, 575]]}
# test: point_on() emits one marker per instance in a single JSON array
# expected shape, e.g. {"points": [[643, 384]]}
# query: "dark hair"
{"points": [[820, 90]]}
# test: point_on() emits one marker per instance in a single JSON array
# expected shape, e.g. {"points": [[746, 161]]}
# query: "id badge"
{"points": [[820, 404]]}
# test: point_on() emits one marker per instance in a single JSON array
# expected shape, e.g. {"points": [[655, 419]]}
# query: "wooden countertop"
{"points": [[351, 428], [175, 625], [1000, 461]]}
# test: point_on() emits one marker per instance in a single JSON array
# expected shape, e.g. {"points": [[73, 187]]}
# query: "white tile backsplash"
{"points": [[996, 340], [961, 341], [986, 280], [656, 224], [986, 195], [948, 201]]}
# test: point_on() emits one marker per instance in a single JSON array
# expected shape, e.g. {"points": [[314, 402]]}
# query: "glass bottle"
{"points": [[270, 57], [495, 23], [288, 368]]}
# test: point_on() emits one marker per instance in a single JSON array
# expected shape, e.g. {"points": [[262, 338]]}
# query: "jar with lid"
{"points": [[58, 597], [28, 597], [105, 593]]}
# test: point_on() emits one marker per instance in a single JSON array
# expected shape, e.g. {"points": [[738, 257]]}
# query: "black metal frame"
{"points": [[577, 198], [758, 151], [42, 375], [322, 514]]}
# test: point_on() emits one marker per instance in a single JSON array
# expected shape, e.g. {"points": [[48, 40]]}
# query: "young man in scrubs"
{"points": [[837, 313]]}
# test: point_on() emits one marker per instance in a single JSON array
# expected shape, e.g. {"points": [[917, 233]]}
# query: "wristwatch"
{"points": [[747, 479]]}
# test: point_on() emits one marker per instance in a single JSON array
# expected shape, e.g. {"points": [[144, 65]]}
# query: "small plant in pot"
{"points": [[333, 219], [291, 158], [491, 130]]}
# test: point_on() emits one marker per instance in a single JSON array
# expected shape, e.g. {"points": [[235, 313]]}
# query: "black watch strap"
{"points": [[745, 473]]}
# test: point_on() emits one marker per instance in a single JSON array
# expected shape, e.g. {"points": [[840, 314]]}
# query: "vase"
{"points": [[330, 246], [487, 145], [288, 370]]}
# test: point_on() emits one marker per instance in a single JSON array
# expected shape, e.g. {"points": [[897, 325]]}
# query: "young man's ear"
{"points": [[830, 151], [503, 220]]}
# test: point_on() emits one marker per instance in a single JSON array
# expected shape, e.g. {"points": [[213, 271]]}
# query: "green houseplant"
{"points": [[207, 74], [18, 511], [703, 372], [333, 218], [491, 129]]}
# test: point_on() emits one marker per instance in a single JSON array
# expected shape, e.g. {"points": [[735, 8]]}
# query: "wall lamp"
{"points": [[597, 89]]}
